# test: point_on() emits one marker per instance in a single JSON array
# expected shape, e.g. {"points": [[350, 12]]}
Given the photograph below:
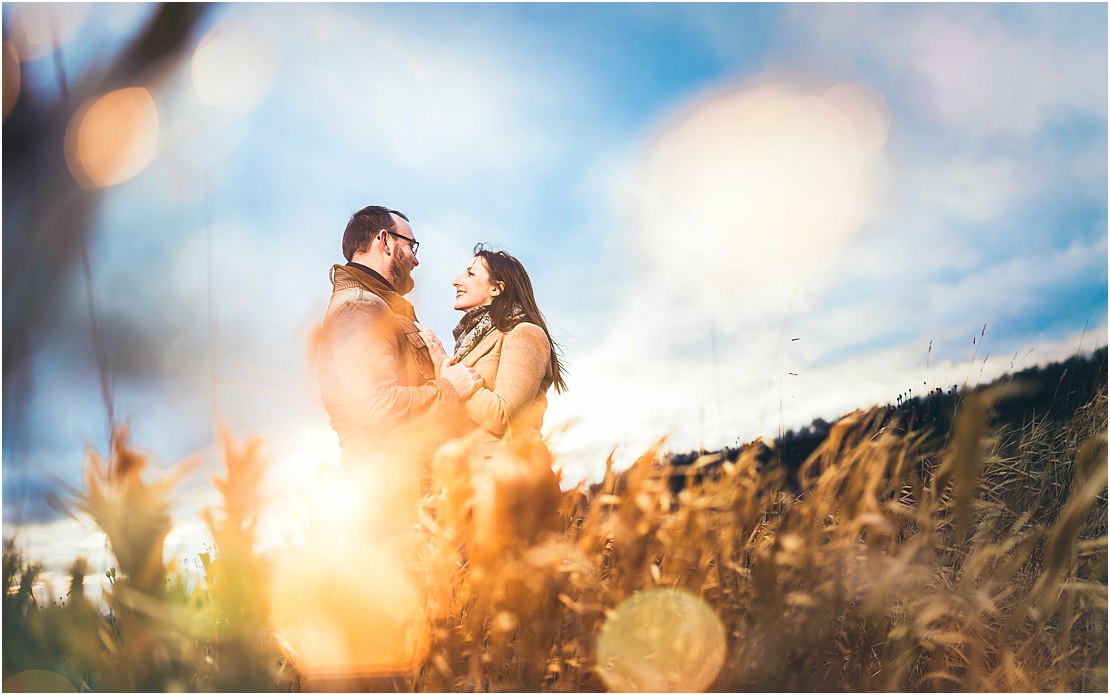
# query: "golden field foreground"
{"points": [[900, 561]]}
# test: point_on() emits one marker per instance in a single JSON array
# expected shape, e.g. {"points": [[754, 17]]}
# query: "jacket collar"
{"points": [[372, 273], [345, 276]]}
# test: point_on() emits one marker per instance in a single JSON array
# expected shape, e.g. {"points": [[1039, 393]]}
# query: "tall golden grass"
{"points": [[156, 634], [902, 564]]}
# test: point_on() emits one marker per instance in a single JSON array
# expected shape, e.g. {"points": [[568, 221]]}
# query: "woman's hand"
{"points": [[435, 348], [465, 379]]}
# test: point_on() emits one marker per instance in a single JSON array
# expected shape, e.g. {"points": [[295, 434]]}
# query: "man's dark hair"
{"points": [[364, 225]]}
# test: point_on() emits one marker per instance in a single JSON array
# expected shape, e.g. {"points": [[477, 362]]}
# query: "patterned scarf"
{"points": [[474, 326]]}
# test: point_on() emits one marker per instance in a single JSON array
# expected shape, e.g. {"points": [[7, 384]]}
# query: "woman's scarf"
{"points": [[474, 326]]}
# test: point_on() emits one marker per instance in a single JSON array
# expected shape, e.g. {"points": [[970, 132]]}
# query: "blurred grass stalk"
{"points": [[157, 634]]}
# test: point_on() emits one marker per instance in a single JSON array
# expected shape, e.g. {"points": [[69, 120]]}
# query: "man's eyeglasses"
{"points": [[415, 244]]}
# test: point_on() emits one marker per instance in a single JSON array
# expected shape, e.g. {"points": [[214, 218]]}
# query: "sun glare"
{"points": [[348, 612], [349, 601], [335, 503]]}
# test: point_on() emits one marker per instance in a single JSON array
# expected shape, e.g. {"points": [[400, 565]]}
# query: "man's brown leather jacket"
{"points": [[376, 375]]}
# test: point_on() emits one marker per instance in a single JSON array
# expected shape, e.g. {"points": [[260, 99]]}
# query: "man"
{"points": [[378, 381], [391, 411]]}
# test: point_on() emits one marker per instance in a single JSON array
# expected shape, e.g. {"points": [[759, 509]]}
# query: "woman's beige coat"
{"points": [[516, 369]]}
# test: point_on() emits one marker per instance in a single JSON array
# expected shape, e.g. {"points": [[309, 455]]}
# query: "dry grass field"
{"points": [[902, 562]]}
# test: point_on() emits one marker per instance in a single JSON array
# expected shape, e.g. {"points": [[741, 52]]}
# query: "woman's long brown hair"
{"points": [[506, 269]]}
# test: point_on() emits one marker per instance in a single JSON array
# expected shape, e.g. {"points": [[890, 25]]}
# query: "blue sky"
{"points": [[614, 150]]}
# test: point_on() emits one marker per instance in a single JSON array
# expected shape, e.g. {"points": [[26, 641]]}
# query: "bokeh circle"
{"points": [[661, 640]]}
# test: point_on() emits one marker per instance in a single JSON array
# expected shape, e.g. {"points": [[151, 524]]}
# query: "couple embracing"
{"points": [[394, 394]]}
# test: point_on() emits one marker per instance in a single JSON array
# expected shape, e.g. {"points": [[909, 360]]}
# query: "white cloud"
{"points": [[965, 188], [1017, 286], [984, 70], [653, 374], [57, 544]]}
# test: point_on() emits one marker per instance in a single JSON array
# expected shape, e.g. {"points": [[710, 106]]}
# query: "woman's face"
{"points": [[473, 288]]}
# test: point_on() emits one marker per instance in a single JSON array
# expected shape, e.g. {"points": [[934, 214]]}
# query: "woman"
{"points": [[504, 337]]}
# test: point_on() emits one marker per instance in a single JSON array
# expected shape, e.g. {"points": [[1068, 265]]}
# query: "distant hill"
{"points": [[1051, 393]]}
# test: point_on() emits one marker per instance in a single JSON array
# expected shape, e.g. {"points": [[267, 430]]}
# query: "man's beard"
{"points": [[401, 281]]}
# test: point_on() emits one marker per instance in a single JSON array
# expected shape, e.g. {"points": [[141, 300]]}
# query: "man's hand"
{"points": [[465, 380]]}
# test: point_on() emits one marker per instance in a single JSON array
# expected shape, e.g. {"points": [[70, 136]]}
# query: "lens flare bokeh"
{"points": [[661, 640], [38, 28], [13, 77], [37, 681], [234, 66], [867, 110], [754, 180], [112, 139]]}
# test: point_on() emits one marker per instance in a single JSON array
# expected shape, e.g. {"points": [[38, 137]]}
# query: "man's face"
{"points": [[403, 260]]}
